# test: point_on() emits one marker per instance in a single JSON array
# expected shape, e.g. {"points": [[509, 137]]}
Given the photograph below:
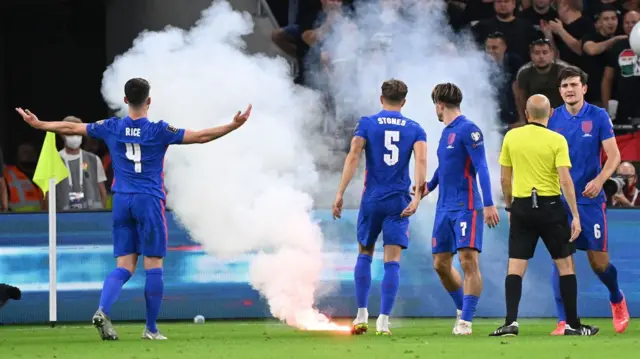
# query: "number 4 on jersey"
{"points": [[390, 140], [135, 155]]}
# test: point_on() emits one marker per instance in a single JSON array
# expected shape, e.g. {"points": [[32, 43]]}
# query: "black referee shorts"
{"points": [[549, 221]]}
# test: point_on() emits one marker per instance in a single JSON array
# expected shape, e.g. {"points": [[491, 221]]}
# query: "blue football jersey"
{"points": [[137, 149], [461, 156], [584, 133], [389, 145]]}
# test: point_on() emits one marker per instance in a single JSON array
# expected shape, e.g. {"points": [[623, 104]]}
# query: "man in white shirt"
{"points": [[84, 189]]}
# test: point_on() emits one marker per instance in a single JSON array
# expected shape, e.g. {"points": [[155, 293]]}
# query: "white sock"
{"points": [[363, 315], [383, 322]]}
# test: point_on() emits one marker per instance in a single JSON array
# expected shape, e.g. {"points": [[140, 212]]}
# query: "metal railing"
{"points": [[265, 10]]}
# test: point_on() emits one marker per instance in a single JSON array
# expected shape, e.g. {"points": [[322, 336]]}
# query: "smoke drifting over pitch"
{"points": [[246, 192]]}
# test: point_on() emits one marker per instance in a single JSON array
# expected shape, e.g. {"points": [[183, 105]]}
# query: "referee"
{"points": [[535, 164]]}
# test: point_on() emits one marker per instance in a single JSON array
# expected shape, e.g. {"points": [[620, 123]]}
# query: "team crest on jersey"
{"points": [[451, 139], [587, 126], [99, 122], [475, 136], [172, 129]]}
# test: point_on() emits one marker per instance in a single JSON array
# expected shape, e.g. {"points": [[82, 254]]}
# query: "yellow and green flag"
{"points": [[50, 165]]}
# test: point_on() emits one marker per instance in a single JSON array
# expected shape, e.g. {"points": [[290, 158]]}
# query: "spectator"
{"points": [[594, 7], [631, 5], [539, 76], [518, 32], [286, 38], [539, 12], [4, 196], [567, 31], [508, 65], [629, 196], [24, 196], [595, 45], [476, 10], [623, 70], [84, 188]]}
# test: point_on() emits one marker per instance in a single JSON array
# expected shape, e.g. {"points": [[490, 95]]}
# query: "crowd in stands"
{"points": [[529, 40]]}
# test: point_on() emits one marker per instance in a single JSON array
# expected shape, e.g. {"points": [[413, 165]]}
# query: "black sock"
{"points": [[569, 294], [513, 292]]}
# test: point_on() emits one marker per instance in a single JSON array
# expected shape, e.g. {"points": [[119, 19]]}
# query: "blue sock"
{"points": [[112, 288], [362, 276], [153, 290], [610, 279], [555, 281], [457, 297], [469, 305], [390, 284]]}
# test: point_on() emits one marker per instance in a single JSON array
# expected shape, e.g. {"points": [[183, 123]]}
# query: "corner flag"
{"points": [[49, 172], [50, 165]]}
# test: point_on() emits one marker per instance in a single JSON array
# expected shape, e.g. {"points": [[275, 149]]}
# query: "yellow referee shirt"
{"points": [[535, 152]]}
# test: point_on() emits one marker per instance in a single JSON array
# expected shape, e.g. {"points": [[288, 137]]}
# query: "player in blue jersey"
{"points": [[458, 223], [388, 140], [588, 129], [137, 148]]}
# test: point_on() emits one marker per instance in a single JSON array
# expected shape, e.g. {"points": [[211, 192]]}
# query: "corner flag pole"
{"points": [[53, 268], [49, 172]]}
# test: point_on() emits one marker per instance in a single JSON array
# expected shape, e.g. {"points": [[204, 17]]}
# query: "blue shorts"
{"points": [[293, 31], [593, 220], [453, 230], [139, 225], [384, 216]]}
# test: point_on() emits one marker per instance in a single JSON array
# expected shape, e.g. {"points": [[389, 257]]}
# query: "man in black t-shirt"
{"points": [[4, 196], [519, 33], [595, 45], [507, 66], [568, 30], [540, 10], [623, 69]]}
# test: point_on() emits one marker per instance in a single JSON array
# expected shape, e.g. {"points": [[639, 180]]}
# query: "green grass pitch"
{"points": [[411, 339]]}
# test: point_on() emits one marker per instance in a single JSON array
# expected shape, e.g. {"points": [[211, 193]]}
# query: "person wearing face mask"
{"points": [[24, 195], [84, 189], [630, 195]]}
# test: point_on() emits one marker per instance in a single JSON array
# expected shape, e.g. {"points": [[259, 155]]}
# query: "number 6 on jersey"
{"points": [[390, 140], [135, 155]]}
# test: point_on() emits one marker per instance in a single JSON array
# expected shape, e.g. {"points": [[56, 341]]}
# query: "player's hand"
{"points": [[336, 208], [411, 208], [239, 119], [575, 229], [425, 191], [593, 188], [491, 217], [28, 117]]}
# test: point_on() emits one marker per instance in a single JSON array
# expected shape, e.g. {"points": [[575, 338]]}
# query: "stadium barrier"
{"points": [[196, 283]]}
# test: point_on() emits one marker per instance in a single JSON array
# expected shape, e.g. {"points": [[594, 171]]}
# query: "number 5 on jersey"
{"points": [[134, 154], [390, 140]]}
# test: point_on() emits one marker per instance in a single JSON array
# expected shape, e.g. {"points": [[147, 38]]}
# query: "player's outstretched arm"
{"points": [[349, 170], [60, 127], [210, 134]]}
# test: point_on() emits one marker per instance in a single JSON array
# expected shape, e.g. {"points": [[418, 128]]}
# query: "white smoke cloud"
{"points": [[247, 192], [253, 190]]}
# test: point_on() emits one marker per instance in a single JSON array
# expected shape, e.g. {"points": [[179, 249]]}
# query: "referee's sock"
{"points": [[513, 292], [569, 292], [610, 279], [555, 280]]}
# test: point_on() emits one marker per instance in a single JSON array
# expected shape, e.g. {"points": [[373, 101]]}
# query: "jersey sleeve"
{"points": [[170, 135], [100, 129], [361, 128], [473, 141], [605, 126], [505, 157], [421, 135], [562, 153]]}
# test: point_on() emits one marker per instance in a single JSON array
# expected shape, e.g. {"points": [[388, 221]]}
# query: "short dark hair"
{"points": [[572, 71], [497, 35], [394, 91], [448, 94], [137, 91]]}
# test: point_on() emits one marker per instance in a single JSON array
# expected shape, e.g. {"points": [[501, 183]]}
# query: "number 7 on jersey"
{"points": [[134, 154], [390, 140]]}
